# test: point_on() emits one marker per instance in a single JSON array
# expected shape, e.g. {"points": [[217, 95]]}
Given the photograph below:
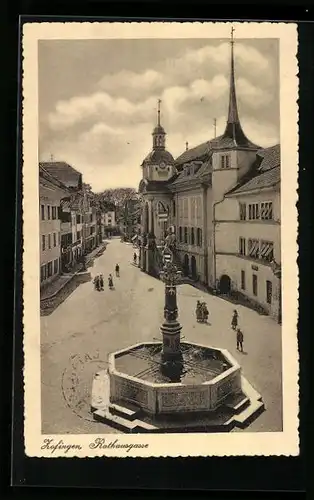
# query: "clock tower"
{"points": [[158, 169], [159, 163]]}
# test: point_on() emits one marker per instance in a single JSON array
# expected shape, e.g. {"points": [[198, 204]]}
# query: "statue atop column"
{"points": [[170, 241], [170, 328]]}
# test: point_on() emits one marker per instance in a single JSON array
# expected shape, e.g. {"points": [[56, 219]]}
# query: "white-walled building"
{"points": [[221, 199], [247, 234], [51, 191], [110, 219]]}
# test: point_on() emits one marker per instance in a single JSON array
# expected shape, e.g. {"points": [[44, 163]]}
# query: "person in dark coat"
{"points": [[117, 270], [205, 312], [134, 258], [239, 340], [101, 282], [234, 321], [96, 283], [198, 311], [110, 282]]}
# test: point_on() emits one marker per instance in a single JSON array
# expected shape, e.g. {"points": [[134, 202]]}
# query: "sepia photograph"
{"points": [[161, 177]]}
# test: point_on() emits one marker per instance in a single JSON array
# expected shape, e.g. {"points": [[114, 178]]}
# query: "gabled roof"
{"points": [[198, 153], [196, 172], [269, 158], [64, 172], [267, 179], [44, 174]]}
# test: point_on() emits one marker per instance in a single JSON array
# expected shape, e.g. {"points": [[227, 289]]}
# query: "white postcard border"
{"points": [[162, 445]]}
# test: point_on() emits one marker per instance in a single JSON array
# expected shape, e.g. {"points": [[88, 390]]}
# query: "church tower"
{"points": [[157, 169], [159, 163], [233, 152]]}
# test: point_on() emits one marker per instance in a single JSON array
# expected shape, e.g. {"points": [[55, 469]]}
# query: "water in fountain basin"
{"points": [[199, 364]]}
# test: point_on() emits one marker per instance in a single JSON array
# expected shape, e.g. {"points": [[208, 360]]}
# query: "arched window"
{"points": [[192, 236], [173, 208], [180, 234], [185, 235]]}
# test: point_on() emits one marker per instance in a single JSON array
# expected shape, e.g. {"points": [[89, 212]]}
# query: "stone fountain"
{"points": [[173, 385]]}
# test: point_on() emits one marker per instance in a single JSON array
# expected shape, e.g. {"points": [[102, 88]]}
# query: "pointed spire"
{"points": [[215, 128], [159, 133], [233, 116], [158, 114], [233, 128]]}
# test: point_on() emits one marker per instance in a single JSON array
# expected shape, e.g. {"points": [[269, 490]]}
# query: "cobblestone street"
{"points": [[92, 324]]}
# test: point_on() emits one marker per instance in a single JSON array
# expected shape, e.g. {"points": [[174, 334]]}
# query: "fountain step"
{"points": [[244, 418], [124, 411], [237, 402], [254, 408], [122, 424]]}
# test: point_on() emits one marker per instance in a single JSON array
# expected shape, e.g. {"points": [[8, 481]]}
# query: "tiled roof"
{"points": [[270, 158], [63, 172], [199, 172], [225, 142], [266, 179], [159, 155], [204, 149], [44, 174], [196, 153]]}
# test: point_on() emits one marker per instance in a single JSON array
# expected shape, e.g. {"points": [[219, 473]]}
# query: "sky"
{"points": [[98, 99]]}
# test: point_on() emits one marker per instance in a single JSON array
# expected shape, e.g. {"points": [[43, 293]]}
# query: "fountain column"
{"points": [[171, 328]]}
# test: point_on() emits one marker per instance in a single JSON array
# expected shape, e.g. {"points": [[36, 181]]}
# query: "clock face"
{"points": [[162, 165]]}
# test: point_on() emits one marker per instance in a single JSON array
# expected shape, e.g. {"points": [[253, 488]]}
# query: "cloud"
{"points": [[199, 100], [108, 157], [107, 133], [202, 63]]}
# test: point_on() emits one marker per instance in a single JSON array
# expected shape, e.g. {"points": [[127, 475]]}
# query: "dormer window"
{"points": [[225, 161]]}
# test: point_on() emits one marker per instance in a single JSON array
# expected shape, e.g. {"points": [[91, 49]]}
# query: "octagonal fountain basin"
{"points": [[199, 382]]}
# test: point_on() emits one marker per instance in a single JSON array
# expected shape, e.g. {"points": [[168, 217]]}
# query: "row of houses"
{"points": [[71, 223], [221, 202]]}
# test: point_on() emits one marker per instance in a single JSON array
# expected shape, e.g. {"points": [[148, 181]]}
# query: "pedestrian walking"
{"points": [[96, 282], [110, 282], [198, 311], [117, 270], [134, 257], [205, 312], [101, 282], [239, 340], [234, 321]]}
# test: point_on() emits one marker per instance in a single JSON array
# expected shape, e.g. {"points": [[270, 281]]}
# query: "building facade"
{"points": [[89, 231], [71, 213], [247, 235], [51, 192], [220, 203]]}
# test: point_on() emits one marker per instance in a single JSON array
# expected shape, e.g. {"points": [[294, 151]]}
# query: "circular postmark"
{"points": [[77, 379]]}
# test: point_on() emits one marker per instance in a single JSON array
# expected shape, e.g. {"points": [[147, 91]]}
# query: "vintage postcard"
{"points": [[160, 167]]}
